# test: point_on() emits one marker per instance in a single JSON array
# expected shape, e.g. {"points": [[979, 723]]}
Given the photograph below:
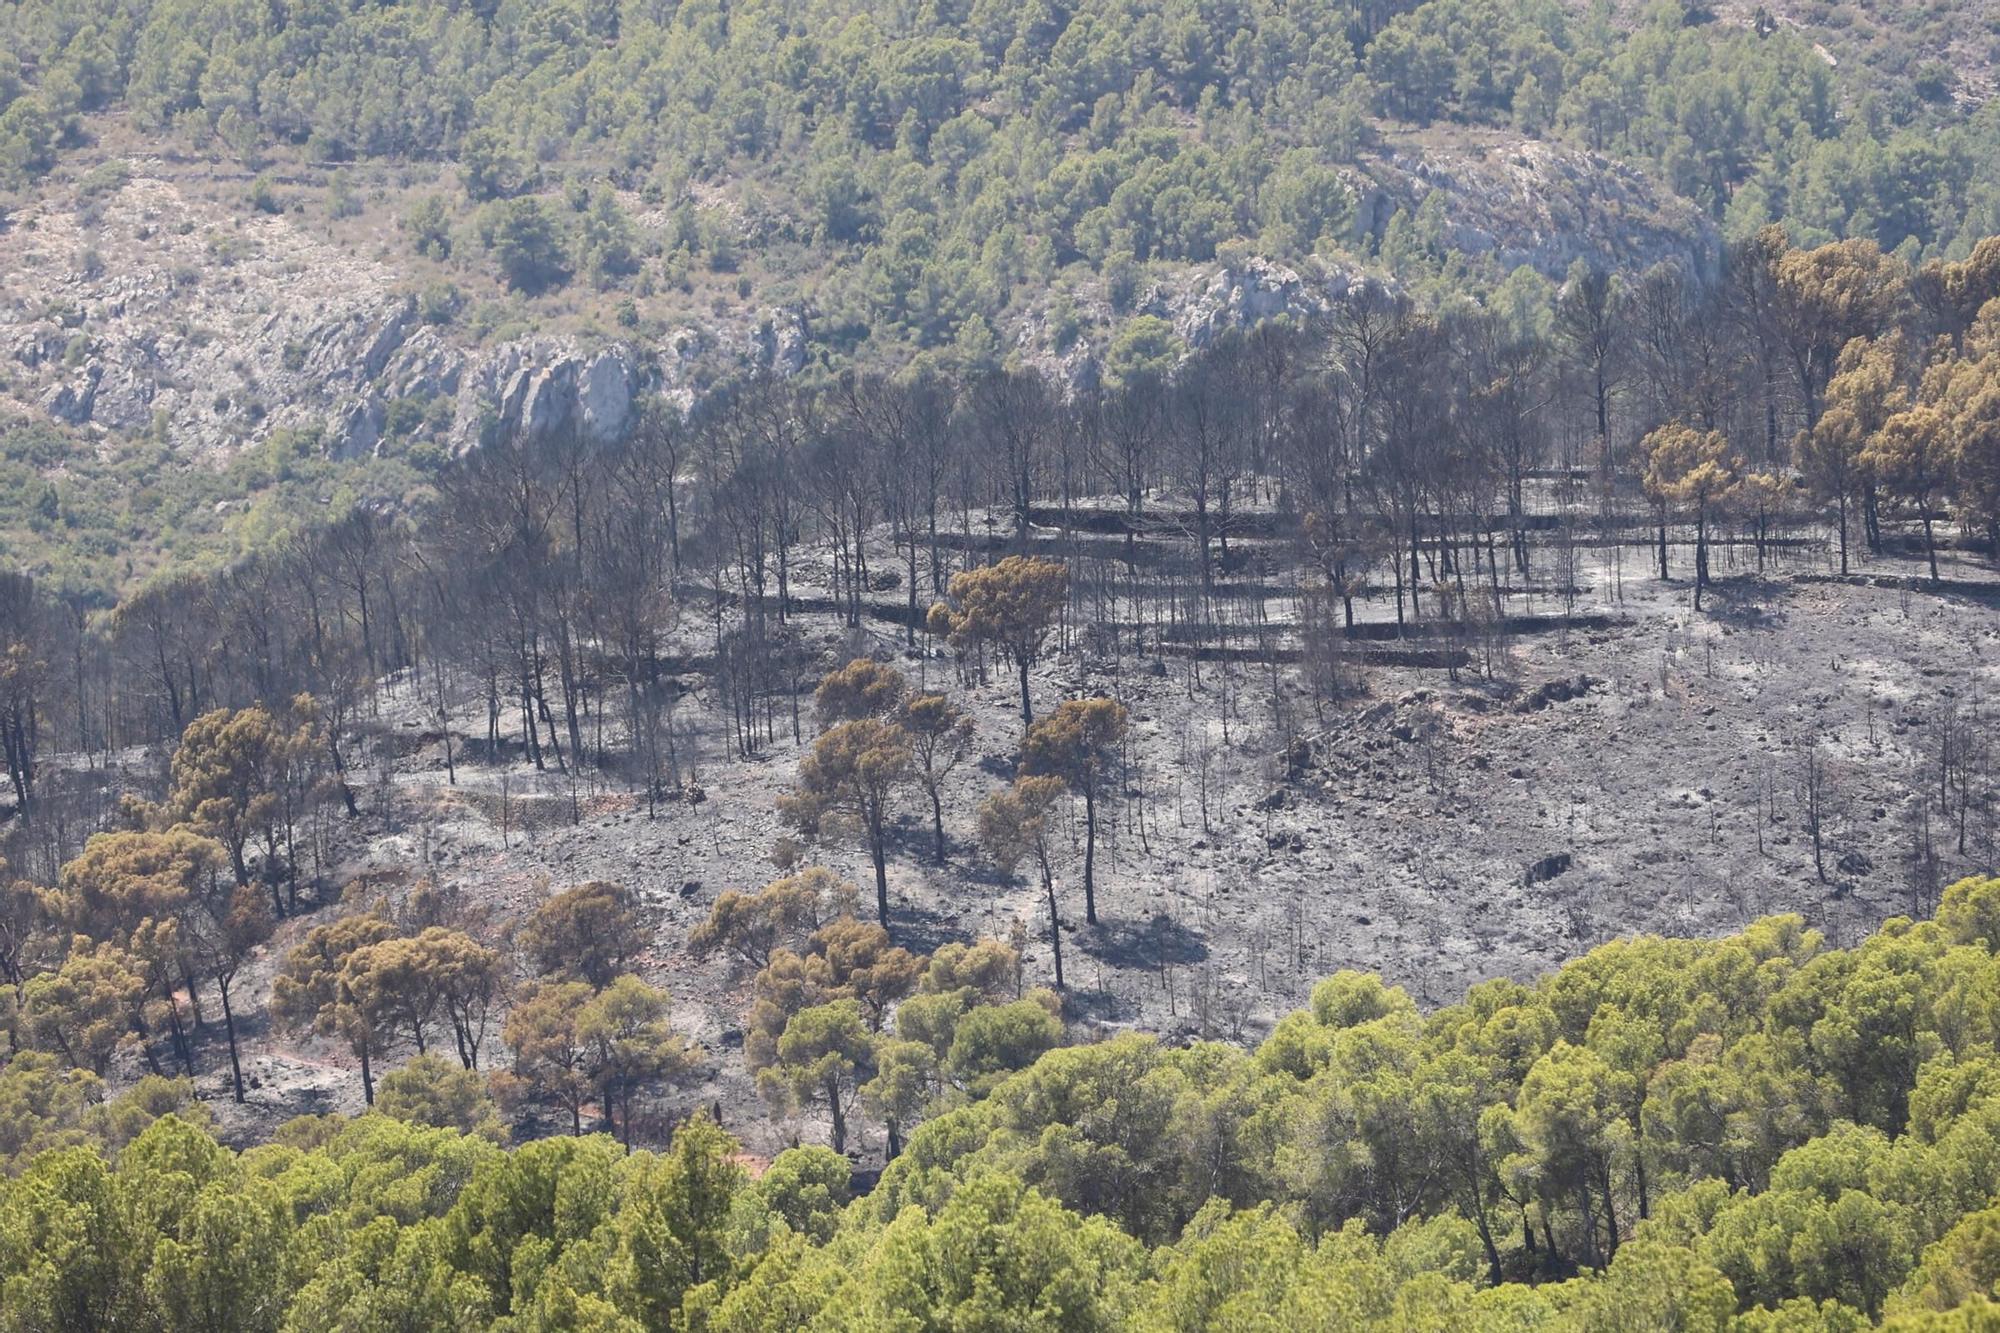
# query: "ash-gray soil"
{"points": [[1615, 765]]}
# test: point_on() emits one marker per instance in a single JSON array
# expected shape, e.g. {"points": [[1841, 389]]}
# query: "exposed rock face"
{"points": [[424, 367], [1516, 201], [231, 328], [166, 308], [781, 341], [604, 391], [1212, 301], [1201, 304], [356, 428], [73, 400], [543, 386], [1525, 201], [223, 328]]}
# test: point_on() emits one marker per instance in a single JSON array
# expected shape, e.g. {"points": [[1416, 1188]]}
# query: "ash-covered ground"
{"points": [[1629, 767]]}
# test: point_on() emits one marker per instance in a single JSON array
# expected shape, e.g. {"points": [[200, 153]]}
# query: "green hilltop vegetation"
{"points": [[918, 171], [1754, 1133], [92, 522], [917, 175], [1758, 1133]]}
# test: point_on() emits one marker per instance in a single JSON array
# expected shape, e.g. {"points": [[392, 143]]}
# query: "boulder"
{"points": [[549, 402], [129, 391], [604, 395], [72, 400], [779, 343], [1546, 869], [355, 428], [424, 367], [542, 386]]}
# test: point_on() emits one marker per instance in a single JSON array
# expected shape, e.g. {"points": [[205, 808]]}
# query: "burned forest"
{"points": [[827, 763]]}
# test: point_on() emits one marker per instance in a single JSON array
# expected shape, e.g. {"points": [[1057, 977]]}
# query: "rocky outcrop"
{"points": [[355, 428], [424, 367], [1497, 196], [1199, 303], [543, 386], [780, 341], [227, 329], [73, 400], [1512, 201], [1210, 301], [604, 392], [223, 329], [169, 310]]}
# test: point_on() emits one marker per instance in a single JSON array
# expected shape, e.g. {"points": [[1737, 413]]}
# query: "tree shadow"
{"points": [[1090, 1005], [923, 930], [912, 840], [1974, 592], [1744, 601], [1158, 942]]}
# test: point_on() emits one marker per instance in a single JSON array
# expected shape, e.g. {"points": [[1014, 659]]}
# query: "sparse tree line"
{"points": [[552, 589], [882, 744], [1752, 1133], [569, 596], [151, 924], [160, 914]]}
